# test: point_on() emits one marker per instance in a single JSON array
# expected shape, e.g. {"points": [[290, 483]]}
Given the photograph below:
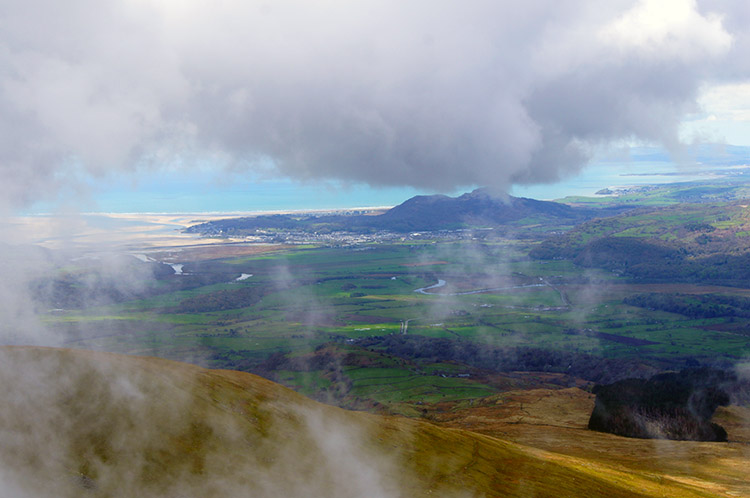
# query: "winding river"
{"points": [[441, 283]]}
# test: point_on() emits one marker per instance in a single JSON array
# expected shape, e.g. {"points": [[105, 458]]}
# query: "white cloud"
{"points": [[723, 117], [669, 29], [729, 102], [428, 94]]}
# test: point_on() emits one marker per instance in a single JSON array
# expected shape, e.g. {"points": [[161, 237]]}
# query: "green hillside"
{"points": [[703, 243]]}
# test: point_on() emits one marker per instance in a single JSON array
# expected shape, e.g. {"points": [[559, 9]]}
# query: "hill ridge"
{"points": [[476, 209]]}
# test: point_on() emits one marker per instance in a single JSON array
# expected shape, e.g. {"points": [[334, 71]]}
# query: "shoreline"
{"points": [[202, 213]]}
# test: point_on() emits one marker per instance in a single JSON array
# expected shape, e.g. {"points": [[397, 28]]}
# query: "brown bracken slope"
{"points": [[80, 423]]}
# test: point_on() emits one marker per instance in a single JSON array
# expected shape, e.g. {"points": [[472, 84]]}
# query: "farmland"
{"points": [[342, 324]]}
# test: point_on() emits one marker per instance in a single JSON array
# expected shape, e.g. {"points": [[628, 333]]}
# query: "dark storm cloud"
{"points": [[428, 94]]}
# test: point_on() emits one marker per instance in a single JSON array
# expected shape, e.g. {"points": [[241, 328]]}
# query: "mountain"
{"points": [[80, 423], [477, 209], [474, 209]]}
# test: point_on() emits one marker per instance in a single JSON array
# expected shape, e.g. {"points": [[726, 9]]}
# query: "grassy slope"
{"points": [[77, 423], [556, 421], [678, 224]]}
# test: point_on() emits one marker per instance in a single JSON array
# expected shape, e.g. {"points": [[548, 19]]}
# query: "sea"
{"points": [[209, 192]]}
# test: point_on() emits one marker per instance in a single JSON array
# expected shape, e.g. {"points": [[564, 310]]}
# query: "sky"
{"points": [[209, 192], [235, 105]]}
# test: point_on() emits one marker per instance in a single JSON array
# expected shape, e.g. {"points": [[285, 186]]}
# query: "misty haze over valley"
{"points": [[374, 249]]}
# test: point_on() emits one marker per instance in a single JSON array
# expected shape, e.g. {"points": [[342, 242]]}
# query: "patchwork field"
{"points": [[270, 310]]}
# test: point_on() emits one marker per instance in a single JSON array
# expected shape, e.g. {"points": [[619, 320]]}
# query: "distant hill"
{"points": [[733, 186], [477, 209], [80, 423], [474, 209], [690, 242]]}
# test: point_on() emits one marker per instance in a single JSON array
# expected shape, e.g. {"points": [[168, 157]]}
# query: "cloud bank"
{"points": [[434, 95]]}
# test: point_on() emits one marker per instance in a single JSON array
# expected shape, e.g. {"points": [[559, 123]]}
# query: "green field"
{"points": [[302, 299]]}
